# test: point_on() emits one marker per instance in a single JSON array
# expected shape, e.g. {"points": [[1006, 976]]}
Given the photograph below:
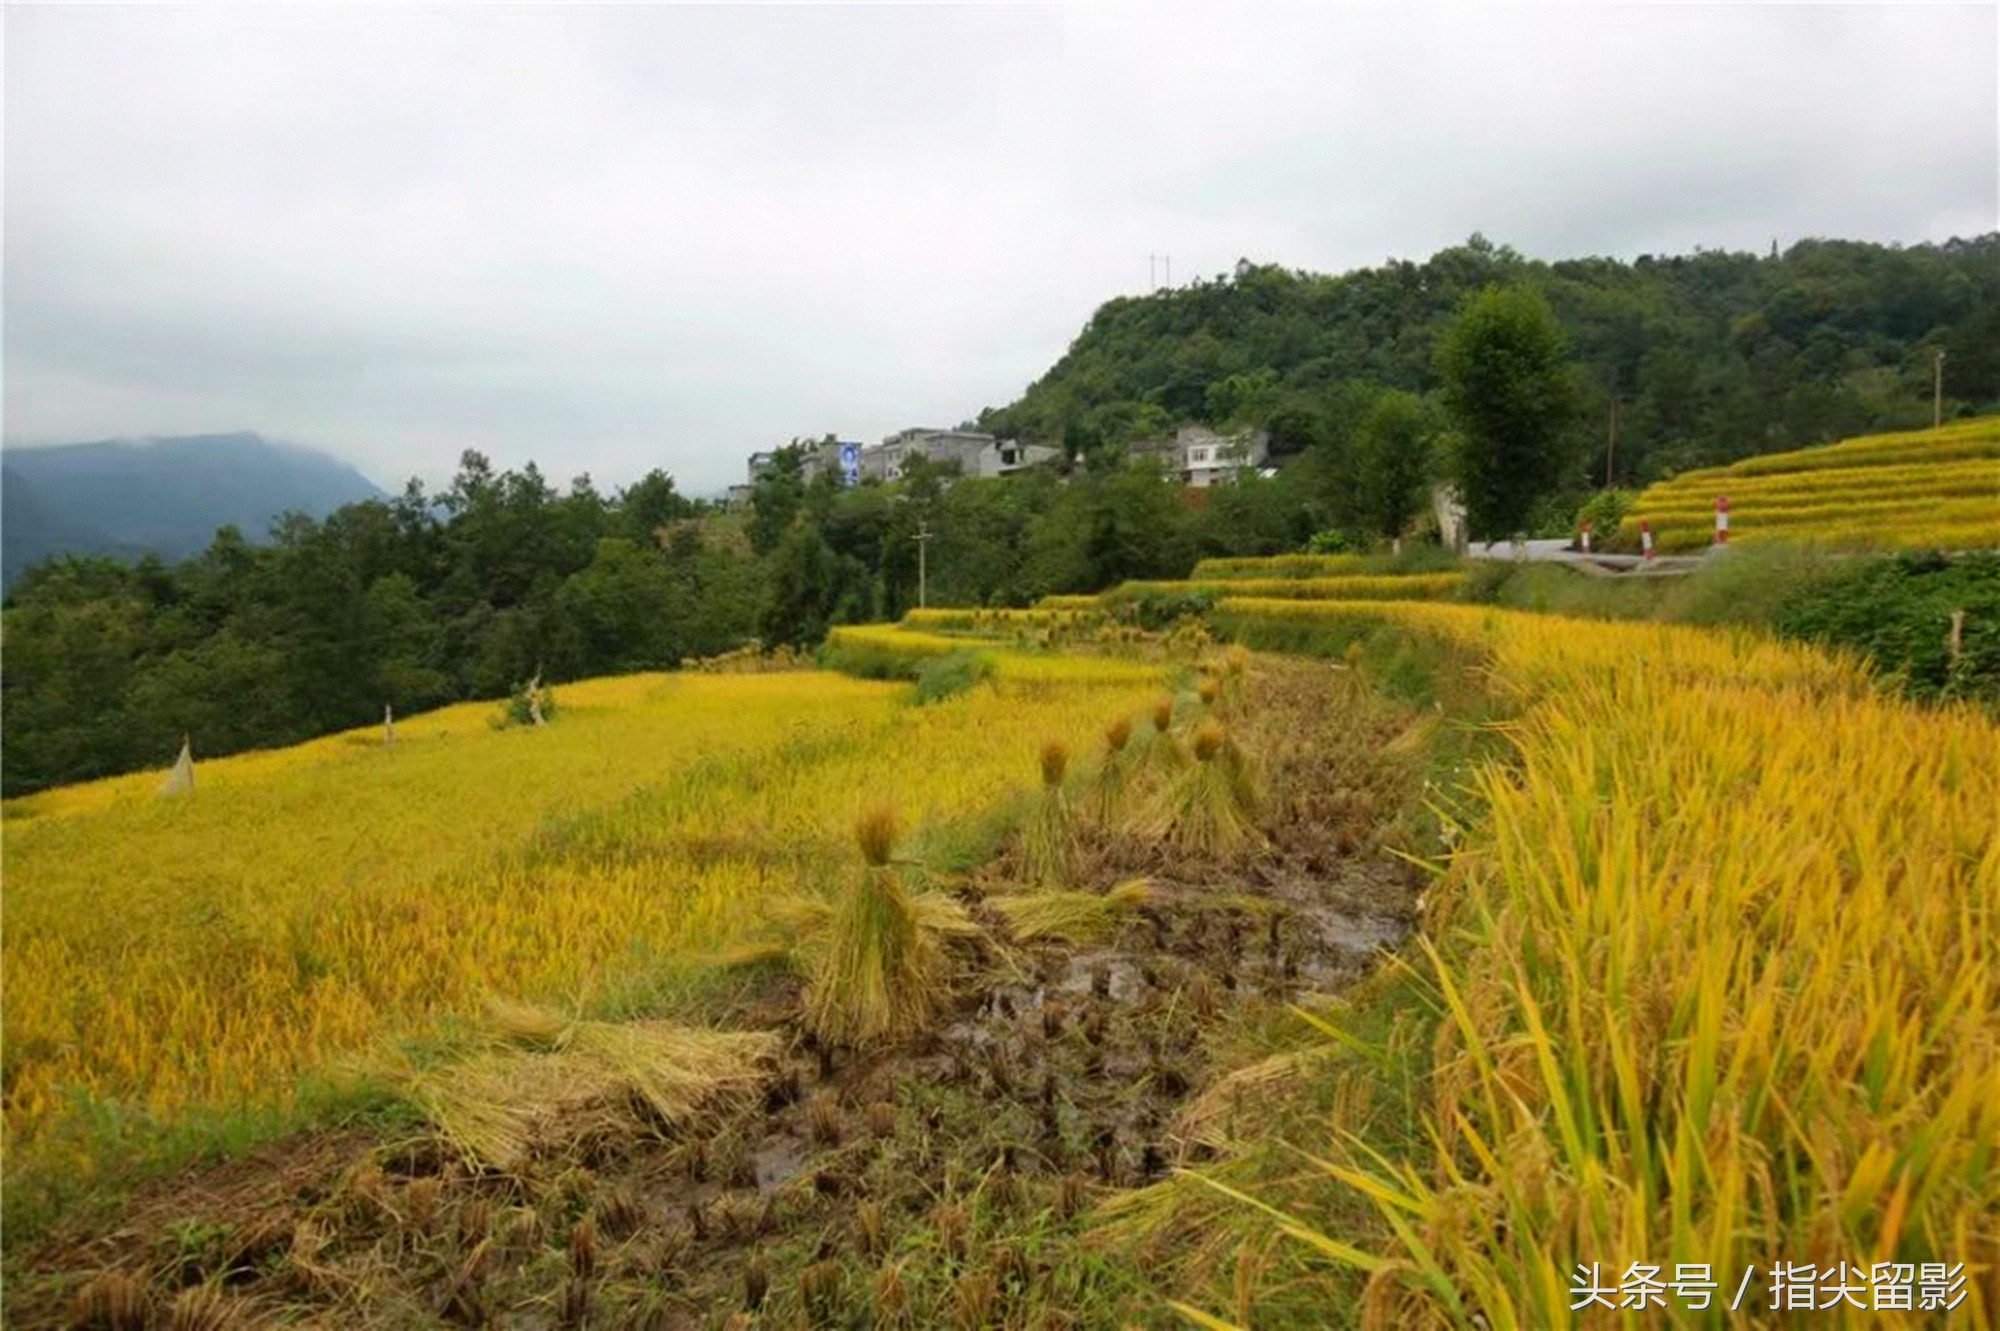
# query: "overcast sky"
{"points": [[608, 238]]}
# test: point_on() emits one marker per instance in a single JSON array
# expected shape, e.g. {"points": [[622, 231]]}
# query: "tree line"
{"points": [[1478, 367], [430, 599]]}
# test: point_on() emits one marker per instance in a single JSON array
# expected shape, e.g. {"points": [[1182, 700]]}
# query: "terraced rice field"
{"points": [[1719, 969], [308, 902], [1933, 489]]}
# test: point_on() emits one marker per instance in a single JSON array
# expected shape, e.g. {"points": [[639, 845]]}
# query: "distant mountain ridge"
{"points": [[128, 498]]}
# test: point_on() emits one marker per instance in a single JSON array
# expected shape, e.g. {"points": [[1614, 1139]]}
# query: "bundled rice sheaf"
{"points": [[1208, 806], [1049, 845], [875, 957], [1104, 803]]}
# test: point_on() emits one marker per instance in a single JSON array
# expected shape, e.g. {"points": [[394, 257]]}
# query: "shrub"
{"points": [[1156, 610], [519, 709], [947, 676], [1604, 511], [1898, 610]]}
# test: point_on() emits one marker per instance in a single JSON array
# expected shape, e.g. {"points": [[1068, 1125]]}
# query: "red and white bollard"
{"points": [[1646, 539], [1722, 519], [1585, 535]]}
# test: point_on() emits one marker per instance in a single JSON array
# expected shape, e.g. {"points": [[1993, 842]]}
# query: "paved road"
{"points": [[1559, 552]]}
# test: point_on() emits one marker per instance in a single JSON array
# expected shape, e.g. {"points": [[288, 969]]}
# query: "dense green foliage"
{"points": [[1898, 612], [1395, 452], [1684, 361], [1509, 388], [411, 603]]}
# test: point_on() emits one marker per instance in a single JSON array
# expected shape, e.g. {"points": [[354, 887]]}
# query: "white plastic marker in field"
{"points": [[1646, 539], [1722, 519]]}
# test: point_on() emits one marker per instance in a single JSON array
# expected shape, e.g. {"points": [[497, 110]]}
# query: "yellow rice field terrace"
{"points": [[1720, 964], [1301, 577], [1931, 488], [303, 904]]}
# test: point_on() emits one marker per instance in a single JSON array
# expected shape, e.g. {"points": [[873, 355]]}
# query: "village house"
{"points": [[1201, 457]]}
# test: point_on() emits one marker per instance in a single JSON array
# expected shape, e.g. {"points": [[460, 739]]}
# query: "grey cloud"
{"points": [[610, 238]]}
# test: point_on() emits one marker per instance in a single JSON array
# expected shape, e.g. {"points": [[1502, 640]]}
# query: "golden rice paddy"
{"points": [[1719, 969], [1932, 488], [304, 904]]}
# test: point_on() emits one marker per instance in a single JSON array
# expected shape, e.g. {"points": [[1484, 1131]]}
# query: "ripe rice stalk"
{"points": [[1720, 979], [1205, 1120], [1104, 801], [1073, 917], [114, 1300], [490, 866], [494, 1106], [205, 1308], [875, 832], [527, 1024]]}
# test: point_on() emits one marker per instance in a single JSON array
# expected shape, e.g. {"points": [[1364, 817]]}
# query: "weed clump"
{"points": [[949, 675]]}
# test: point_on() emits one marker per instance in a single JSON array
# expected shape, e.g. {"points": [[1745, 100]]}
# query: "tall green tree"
{"points": [[1393, 462], [1509, 388]]}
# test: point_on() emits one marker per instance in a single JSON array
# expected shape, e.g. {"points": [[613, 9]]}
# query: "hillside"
{"points": [[164, 496], [1686, 361]]}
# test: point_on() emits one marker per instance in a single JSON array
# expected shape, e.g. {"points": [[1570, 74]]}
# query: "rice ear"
{"points": [[1055, 763], [875, 831]]}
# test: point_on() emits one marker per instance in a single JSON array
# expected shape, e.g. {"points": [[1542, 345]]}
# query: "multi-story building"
{"points": [[885, 460], [1208, 457], [1201, 457], [1006, 456]]}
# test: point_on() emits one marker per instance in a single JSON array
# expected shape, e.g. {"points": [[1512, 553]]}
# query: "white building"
{"points": [[1201, 457]]}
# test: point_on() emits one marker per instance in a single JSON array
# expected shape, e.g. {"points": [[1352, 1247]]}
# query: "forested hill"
{"points": [[165, 496], [1707, 357]]}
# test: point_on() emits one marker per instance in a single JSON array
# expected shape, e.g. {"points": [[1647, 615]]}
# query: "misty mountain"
{"points": [[163, 496]]}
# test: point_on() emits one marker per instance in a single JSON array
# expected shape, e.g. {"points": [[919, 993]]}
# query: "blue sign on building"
{"points": [[850, 462]]}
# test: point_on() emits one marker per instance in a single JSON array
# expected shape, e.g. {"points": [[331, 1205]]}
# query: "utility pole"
{"points": [[1611, 444], [1170, 269], [1937, 390], [923, 563]]}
